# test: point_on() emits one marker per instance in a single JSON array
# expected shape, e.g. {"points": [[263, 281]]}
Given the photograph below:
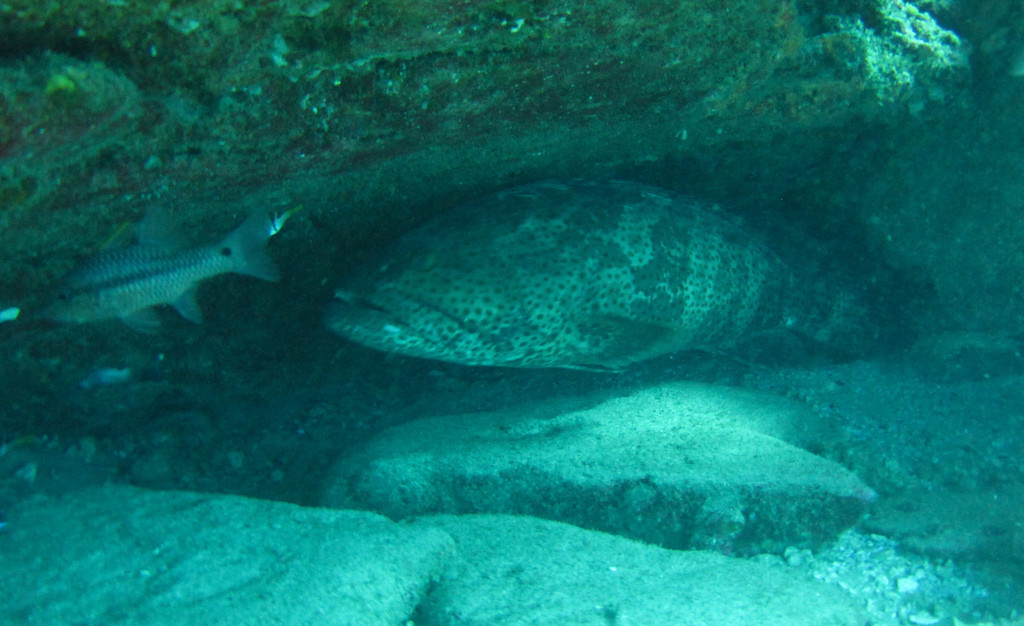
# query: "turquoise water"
{"points": [[258, 468]]}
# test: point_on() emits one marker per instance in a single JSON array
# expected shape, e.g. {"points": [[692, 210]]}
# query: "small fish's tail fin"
{"points": [[247, 246]]}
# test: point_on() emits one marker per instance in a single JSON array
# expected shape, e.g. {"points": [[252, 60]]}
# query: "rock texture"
{"points": [[519, 570], [123, 555], [359, 109], [681, 465]]}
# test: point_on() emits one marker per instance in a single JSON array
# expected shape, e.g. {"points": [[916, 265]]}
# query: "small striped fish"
{"points": [[125, 283]]}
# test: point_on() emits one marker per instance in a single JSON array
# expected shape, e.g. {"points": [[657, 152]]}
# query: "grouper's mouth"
{"points": [[397, 321], [358, 302], [398, 306], [393, 319], [358, 317]]}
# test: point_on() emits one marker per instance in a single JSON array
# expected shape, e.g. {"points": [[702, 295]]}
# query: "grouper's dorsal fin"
{"points": [[157, 229]]}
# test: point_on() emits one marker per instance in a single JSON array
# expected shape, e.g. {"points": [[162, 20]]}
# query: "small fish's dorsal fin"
{"points": [[143, 321], [157, 229]]}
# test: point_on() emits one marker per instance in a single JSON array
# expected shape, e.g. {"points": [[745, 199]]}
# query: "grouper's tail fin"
{"points": [[247, 245]]}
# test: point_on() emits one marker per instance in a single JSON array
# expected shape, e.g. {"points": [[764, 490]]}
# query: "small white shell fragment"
{"points": [[907, 584], [107, 376], [923, 619], [9, 314]]}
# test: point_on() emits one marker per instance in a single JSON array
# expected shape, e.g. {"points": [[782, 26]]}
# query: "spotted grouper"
{"points": [[583, 275]]}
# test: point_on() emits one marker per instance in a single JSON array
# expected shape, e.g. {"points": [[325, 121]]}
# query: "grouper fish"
{"points": [[125, 283], [584, 275]]}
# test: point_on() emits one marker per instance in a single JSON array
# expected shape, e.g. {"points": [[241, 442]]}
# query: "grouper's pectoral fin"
{"points": [[143, 321], [619, 341], [187, 306]]}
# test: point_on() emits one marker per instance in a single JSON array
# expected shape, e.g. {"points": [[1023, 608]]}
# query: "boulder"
{"points": [[679, 465], [520, 570], [116, 555]]}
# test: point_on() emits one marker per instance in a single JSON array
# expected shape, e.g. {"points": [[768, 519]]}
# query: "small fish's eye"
{"points": [[225, 251], [62, 296]]}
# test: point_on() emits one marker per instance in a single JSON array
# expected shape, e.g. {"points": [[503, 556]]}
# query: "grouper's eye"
{"points": [[62, 296]]}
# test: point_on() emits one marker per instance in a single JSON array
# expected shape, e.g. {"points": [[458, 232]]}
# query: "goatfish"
{"points": [[126, 283]]}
